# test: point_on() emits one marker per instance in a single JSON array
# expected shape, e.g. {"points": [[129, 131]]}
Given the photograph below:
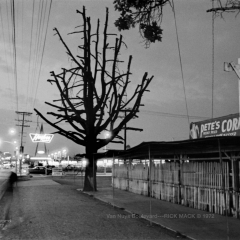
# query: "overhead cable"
{"points": [[30, 55], [164, 114], [180, 59], [5, 53], [14, 50], [42, 53], [212, 55]]}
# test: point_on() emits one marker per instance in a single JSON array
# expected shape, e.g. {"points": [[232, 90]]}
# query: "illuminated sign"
{"points": [[222, 126], [40, 152], [36, 137]]}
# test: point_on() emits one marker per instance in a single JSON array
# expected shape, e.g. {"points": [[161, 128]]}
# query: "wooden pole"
{"points": [[150, 184], [125, 133], [113, 173], [223, 186]]}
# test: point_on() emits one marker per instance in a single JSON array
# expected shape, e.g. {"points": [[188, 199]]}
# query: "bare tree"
{"points": [[92, 94]]}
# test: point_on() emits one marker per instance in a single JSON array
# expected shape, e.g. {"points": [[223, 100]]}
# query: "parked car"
{"points": [[68, 168], [50, 166], [8, 165], [37, 169], [40, 170]]}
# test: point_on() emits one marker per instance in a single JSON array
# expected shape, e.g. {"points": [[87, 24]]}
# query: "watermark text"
{"points": [[167, 216]]}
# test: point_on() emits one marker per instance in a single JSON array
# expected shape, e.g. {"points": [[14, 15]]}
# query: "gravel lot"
{"points": [[60, 212]]}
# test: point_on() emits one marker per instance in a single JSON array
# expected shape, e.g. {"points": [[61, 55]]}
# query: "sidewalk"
{"points": [[45, 210], [190, 222]]}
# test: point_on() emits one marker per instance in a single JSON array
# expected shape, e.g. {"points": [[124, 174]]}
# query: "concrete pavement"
{"points": [[45, 210], [181, 220], [192, 223]]}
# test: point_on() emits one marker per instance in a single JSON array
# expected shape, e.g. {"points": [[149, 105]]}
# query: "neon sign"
{"points": [[36, 137]]}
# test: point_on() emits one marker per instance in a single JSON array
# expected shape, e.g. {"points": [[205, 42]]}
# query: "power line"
{"points": [[14, 49], [16, 25], [212, 55], [42, 53], [180, 59], [164, 114], [10, 44], [146, 112], [30, 54], [5, 53], [37, 47]]}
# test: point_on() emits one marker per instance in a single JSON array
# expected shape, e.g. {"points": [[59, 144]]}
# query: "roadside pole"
{"points": [[150, 183], [23, 121], [17, 163], [228, 67]]}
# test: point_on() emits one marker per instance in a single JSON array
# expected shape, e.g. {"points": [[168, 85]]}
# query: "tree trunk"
{"points": [[90, 181]]}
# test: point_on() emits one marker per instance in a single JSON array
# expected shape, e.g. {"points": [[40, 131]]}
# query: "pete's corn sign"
{"points": [[222, 126], [36, 137]]}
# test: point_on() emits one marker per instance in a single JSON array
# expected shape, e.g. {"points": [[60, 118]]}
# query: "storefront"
{"points": [[223, 126]]}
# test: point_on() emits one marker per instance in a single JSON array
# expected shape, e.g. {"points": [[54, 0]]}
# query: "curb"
{"points": [[178, 234]]}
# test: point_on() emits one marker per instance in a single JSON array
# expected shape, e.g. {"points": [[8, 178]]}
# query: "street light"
{"points": [[64, 155], [40, 152], [12, 143], [3, 141], [107, 134], [59, 156], [12, 131], [228, 67]]}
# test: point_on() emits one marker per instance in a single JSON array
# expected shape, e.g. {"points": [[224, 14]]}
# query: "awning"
{"points": [[192, 147]]}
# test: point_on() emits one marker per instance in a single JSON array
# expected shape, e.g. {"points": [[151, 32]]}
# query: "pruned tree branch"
{"points": [[92, 91], [221, 6]]}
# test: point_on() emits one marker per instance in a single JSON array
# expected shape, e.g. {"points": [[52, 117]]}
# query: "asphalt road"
{"points": [[43, 209]]}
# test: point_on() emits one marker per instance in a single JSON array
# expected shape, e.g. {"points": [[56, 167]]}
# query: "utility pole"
{"points": [[22, 125], [45, 148], [128, 128]]}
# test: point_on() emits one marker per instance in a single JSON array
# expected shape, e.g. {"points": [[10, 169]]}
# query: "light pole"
{"points": [[11, 132], [107, 134], [3, 141], [228, 67], [12, 143], [64, 154]]}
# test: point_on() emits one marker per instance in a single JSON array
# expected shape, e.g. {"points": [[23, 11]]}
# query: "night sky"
{"points": [[164, 116]]}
